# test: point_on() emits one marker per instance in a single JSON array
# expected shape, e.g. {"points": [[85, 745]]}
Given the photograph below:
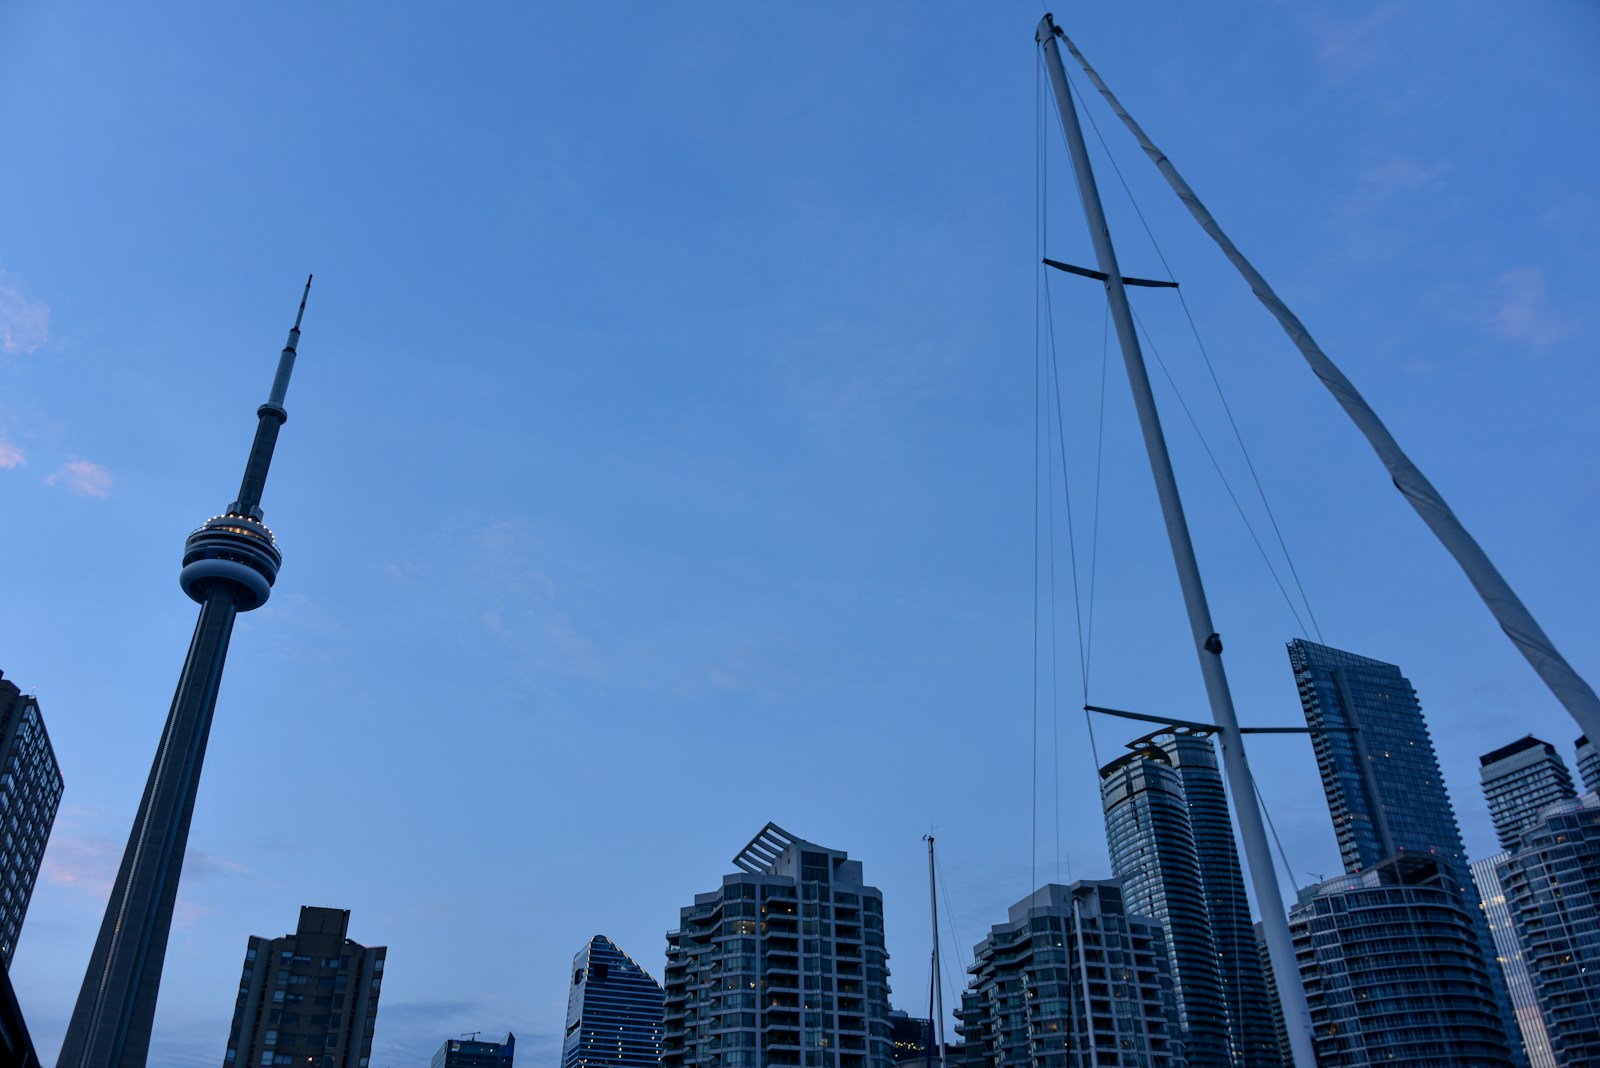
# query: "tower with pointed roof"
{"points": [[229, 566]]}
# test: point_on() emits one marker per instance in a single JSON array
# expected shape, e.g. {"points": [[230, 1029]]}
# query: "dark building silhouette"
{"points": [[309, 998], [30, 794], [614, 1010], [470, 1053], [229, 566], [911, 1037]]}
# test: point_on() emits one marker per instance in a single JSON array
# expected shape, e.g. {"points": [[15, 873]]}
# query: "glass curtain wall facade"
{"points": [[1552, 884], [1381, 776], [1490, 874], [307, 999], [784, 964], [30, 794], [1246, 1003], [1153, 854], [614, 1010], [1071, 980], [1394, 972]]}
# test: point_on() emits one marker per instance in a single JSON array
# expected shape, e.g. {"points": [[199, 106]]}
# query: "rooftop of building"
{"points": [[1521, 745]]}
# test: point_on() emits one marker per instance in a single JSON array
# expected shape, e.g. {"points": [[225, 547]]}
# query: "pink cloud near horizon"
{"points": [[83, 477]]}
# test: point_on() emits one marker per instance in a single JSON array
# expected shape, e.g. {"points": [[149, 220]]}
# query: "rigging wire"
{"points": [[1212, 456], [1094, 540], [1038, 365], [1053, 380], [1216, 382], [1265, 811]]}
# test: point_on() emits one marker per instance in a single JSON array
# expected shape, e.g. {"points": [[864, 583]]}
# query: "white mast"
{"points": [[1208, 645], [937, 1031]]}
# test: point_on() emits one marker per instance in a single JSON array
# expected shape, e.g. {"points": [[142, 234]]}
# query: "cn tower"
{"points": [[229, 566]]}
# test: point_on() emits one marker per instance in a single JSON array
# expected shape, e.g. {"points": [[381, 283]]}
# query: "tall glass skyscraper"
{"points": [[1520, 779], [1490, 875], [614, 1011], [1388, 800], [1153, 853], [1171, 843], [1385, 790], [784, 964]]}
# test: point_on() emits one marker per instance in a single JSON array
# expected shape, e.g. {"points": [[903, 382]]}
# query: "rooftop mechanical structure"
{"points": [[229, 566]]}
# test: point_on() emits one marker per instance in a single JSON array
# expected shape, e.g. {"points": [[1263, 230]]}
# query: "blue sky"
{"points": [[660, 458]]}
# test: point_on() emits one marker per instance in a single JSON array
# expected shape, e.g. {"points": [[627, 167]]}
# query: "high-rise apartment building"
{"points": [[1071, 980], [1394, 972], [1588, 764], [614, 1011], [1520, 779], [1386, 792], [467, 1052], [1382, 778], [784, 964], [30, 794], [1153, 854], [1489, 875], [1171, 843], [1552, 885], [309, 998]]}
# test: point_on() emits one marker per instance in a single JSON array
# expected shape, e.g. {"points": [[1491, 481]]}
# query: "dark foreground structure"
{"points": [[229, 566]]}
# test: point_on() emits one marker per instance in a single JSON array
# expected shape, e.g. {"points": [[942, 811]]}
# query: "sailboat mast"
{"points": [[936, 1033], [1208, 645]]}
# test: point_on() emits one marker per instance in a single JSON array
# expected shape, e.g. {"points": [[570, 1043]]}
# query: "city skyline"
{"points": [[686, 401]]}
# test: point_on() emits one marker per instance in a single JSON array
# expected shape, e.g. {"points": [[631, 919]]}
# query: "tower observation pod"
{"points": [[229, 566]]}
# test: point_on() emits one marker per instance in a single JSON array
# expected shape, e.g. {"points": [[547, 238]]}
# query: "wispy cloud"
{"points": [[1521, 310], [1394, 176], [87, 863], [10, 455], [83, 477], [1350, 47], [24, 322]]}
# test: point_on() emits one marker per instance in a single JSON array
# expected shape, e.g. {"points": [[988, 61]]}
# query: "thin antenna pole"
{"points": [[1208, 645], [938, 987]]}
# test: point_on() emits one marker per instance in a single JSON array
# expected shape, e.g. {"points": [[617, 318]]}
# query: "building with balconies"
{"points": [[784, 964], [1394, 972], [30, 794], [1071, 980]]}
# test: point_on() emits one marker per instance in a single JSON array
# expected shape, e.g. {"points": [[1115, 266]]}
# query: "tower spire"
{"points": [[271, 416], [229, 566]]}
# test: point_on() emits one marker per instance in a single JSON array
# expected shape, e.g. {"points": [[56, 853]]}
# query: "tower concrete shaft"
{"points": [[229, 566]]}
